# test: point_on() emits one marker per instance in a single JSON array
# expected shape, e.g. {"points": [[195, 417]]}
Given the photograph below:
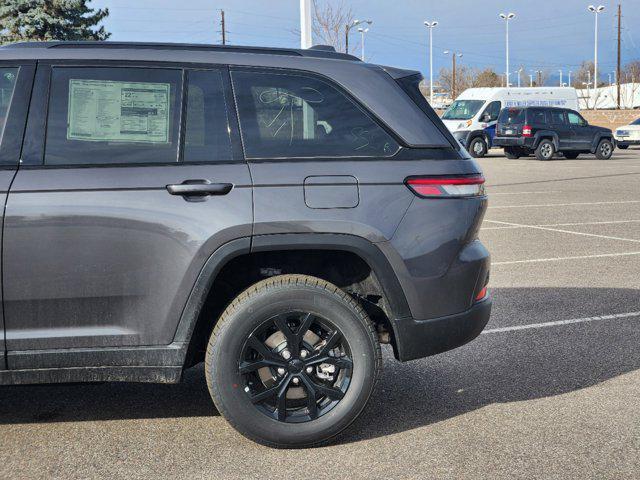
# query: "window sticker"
{"points": [[111, 111]]}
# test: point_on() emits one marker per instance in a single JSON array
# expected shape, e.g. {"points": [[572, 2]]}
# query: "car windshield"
{"points": [[511, 115], [635, 122], [463, 109]]}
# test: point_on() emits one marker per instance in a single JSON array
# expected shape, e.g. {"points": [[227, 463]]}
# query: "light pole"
{"points": [[560, 77], [506, 17], [519, 72], [430, 26], [569, 82], [348, 27], [454, 55], [362, 32], [305, 24], [531, 80], [595, 11]]}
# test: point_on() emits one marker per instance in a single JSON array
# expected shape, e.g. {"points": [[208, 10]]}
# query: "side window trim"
{"points": [[237, 152], [297, 72], [17, 114], [33, 148]]}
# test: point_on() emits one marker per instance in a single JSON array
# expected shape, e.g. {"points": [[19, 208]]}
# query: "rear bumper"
{"points": [[513, 142], [421, 338], [623, 141]]}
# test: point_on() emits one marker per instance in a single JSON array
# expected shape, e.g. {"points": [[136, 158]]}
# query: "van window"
{"points": [[491, 113], [207, 133], [7, 83], [106, 115], [298, 115], [463, 109], [556, 117]]}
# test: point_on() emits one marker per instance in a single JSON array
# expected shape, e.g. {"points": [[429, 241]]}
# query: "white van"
{"points": [[472, 117]]}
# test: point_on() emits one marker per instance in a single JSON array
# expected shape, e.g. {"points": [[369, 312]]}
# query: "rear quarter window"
{"points": [[296, 115], [7, 84]]}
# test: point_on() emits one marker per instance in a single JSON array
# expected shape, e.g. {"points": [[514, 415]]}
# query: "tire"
{"points": [[545, 150], [604, 150], [623, 146], [571, 155], [512, 153], [254, 323], [478, 147]]}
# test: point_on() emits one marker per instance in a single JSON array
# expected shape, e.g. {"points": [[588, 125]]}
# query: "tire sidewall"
{"points": [[484, 147], [598, 150], [227, 384], [539, 154]]}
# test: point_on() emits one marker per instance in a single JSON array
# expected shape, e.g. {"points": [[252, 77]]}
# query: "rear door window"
{"points": [[556, 117], [207, 131], [106, 115], [289, 115], [8, 76]]}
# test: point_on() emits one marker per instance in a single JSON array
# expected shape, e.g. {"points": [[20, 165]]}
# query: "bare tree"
{"points": [[330, 20], [464, 78], [487, 78]]}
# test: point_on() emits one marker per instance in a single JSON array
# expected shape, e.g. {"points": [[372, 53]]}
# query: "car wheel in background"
{"points": [[622, 146], [292, 361], [571, 155], [512, 152], [545, 150], [604, 150], [478, 147]]}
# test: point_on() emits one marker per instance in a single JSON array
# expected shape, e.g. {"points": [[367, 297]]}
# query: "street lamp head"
{"points": [[511, 15], [430, 24], [591, 8], [446, 52], [600, 8], [459, 55], [507, 16]]}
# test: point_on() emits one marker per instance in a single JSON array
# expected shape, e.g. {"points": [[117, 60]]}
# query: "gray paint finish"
{"points": [[106, 256]]}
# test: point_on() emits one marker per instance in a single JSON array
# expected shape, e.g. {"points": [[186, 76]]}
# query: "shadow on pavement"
{"points": [[499, 367]]}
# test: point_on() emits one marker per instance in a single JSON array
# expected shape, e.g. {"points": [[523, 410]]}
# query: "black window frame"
{"points": [[551, 111], [323, 78], [33, 150], [12, 139]]}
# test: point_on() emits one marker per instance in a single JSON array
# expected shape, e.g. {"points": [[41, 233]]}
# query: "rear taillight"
{"points": [[481, 294], [526, 131], [443, 187]]}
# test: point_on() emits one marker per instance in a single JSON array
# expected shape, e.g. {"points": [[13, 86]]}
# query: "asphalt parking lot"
{"points": [[550, 390]]}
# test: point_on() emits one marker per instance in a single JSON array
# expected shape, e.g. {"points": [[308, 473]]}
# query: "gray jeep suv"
{"points": [[277, 214]]}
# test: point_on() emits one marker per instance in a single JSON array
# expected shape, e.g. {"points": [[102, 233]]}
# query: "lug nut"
{"points": [[309, 369], [286, 354], [281, 371], [304, 353], [296, 380]]}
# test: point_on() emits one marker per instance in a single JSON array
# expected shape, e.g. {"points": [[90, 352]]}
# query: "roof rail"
{"points": [[319, 51]]}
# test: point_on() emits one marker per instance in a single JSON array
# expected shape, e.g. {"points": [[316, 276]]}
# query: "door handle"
{"points": [[199, 188]]}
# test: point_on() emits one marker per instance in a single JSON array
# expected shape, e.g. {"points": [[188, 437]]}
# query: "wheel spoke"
{"points": [[282, 399], [268, 393], [340, 362], [332, 393], [331, 342], [304, 326], [248, 367], [292, 339], [267, 354], [312, 401]]}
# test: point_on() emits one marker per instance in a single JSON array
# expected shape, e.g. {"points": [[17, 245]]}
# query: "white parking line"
{"points": [[557, 259], [611, 222], [524, 193], [621, 202], [548, 229], [562, 322]]}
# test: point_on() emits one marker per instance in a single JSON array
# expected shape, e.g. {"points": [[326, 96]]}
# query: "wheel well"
{"points": [[345, 269]]}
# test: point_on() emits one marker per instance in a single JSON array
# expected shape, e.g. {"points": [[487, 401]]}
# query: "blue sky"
{"points": [[546, 34]]}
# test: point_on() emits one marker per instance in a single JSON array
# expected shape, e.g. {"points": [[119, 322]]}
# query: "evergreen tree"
{"points": [[22, 20]]}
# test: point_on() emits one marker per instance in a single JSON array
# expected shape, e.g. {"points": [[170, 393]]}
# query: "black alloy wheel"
{"points": [[296, 366]]}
